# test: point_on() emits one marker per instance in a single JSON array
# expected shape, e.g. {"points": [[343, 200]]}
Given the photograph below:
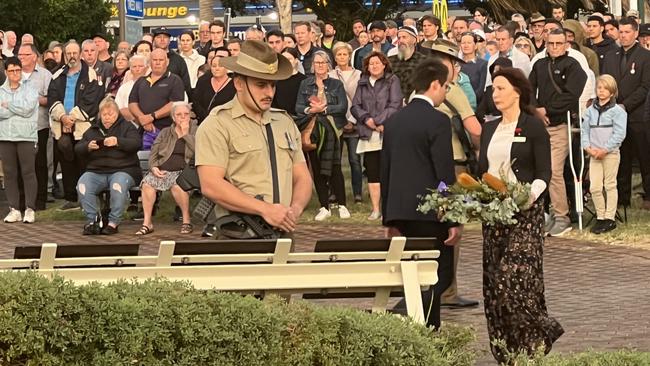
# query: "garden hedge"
{"points": [[54, 322]]}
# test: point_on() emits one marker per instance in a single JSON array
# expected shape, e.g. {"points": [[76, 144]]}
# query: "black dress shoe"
{"points": [[607, 225], [460, 303], [109, 230], [596, 229], [91, 229]]}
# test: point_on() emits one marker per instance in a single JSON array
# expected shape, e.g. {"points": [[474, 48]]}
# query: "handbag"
{"points": [[189, 177], [239, 225], [305, 135]]}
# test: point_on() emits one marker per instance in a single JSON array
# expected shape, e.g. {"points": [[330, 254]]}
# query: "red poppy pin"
{"points": [[518, 131]]}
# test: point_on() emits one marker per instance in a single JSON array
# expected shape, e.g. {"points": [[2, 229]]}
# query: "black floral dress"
{"points": [[513, 286]]}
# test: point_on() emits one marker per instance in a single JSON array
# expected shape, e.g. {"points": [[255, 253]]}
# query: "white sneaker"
{"points": [[14, 216], [29, 216], [374, 215], [343, 212], [323, 213]]}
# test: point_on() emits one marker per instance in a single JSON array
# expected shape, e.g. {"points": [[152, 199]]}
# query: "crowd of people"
{"points": [[415, 107]]}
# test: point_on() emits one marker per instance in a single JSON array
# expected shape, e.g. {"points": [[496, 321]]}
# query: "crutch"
{"points": [[577, 176]]}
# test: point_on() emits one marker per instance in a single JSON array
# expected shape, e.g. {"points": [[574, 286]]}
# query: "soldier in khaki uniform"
{"points": [[456, 98], [232, 149]]}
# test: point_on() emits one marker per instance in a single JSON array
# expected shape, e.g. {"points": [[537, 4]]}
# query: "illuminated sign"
{"points": [[169, 12]]}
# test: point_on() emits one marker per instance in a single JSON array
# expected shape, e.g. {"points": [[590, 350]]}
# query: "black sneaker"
{"points": [[597, 227], [92, 228], [608, 225], [132, 208], [209, 231], [357, 198], [109, 230]]}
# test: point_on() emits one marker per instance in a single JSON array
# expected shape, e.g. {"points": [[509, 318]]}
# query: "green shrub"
{"points": [[54, 322], [623, 357]]}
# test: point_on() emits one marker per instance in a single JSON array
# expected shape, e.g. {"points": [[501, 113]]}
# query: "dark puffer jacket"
{"points": [[377, 102]]}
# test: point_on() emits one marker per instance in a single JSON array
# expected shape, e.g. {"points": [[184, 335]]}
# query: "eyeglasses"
{"points": [[555, 44], [320, 63]]}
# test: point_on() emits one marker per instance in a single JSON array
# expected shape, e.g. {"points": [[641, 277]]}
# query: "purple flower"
{"points": [[442, 187]]}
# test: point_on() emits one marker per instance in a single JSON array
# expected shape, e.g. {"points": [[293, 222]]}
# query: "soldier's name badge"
{"points": [[519, 139]]}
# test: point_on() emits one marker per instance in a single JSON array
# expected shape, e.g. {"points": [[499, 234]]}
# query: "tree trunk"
{"points": [[205, 10], [284, 12]]}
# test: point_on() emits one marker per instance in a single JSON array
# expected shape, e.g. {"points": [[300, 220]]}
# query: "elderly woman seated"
{"points": [[170, 153], [110, 150]]}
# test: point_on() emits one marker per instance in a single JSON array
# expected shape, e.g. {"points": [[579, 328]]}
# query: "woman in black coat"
{"points": [[516, 147], [213, 88]]}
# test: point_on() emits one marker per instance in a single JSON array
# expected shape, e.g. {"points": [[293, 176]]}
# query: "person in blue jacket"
{"points": [[603, 131]]}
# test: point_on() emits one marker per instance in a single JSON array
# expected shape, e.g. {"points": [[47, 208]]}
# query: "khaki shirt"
{"points": [[231, 140], [458, 99]]}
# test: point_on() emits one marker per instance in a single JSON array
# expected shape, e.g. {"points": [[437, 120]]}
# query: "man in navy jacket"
{"points": [[417, 156]]}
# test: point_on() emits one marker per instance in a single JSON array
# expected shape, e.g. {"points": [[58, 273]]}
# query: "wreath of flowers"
{"points": [[490, 200]]}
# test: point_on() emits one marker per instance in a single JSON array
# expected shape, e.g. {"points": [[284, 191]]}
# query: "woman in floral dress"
{"points": [[516, 147]]}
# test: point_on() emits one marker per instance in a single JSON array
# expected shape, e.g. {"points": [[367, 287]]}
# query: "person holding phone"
{"points": [[110, 149]]}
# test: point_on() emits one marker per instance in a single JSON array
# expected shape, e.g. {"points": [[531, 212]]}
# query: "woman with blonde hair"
{"points": [[525, 45], [349, 76]]}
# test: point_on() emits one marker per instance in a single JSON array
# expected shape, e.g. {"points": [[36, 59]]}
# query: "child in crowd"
{"points": [[603, 131]]}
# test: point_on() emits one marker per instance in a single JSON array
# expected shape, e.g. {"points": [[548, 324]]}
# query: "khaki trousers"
{"points": [[602, 175], [450, 295], [559, 152]]}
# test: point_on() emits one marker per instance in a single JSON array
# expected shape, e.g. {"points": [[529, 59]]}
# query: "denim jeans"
{"points": [[91, 184], [355, 163]]}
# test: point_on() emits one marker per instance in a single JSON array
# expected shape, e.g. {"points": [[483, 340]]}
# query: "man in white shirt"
{"points": [[505, 41]]}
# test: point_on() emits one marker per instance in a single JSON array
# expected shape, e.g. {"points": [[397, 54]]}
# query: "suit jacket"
{"points": [[633, 81], [532, 158], [416, 156]]}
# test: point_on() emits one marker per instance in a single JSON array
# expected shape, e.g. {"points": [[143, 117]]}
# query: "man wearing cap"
{"points": [[240, 142], [601, 44], [378, 37], [644, 35], [102, 48], [177, 65], [391, 32], [456, 105], [630, 66], [537, 22], [633, 13], [406, 57]]}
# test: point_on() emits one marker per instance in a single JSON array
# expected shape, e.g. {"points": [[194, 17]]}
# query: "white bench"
{"points": [[280, 271]]}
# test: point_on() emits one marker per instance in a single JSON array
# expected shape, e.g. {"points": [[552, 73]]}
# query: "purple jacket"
{"points": [[378, 102]]}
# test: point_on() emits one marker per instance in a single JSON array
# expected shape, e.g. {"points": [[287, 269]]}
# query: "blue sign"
{"points": [[134, 8]]}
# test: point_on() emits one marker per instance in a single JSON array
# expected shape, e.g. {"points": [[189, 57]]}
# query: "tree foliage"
{"points": [[501, 10], [340, 12], [59, 20]]}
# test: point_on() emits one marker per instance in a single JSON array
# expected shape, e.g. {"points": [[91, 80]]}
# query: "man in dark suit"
{"points": [[417, 156], [630, 66]]}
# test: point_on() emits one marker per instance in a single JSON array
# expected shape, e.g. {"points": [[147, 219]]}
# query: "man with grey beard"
{"points": [[406, 59], [73, 99]]}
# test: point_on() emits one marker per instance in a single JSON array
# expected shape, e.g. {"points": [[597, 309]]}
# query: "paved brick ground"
{"points": [[600, 294]]}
